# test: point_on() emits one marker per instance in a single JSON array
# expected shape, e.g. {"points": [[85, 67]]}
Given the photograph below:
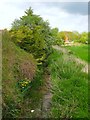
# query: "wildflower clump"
{"points": [[24, 84]]}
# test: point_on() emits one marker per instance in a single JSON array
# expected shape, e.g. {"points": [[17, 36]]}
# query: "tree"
{"points": [[58, 37], [32, 34], [83, 37]]}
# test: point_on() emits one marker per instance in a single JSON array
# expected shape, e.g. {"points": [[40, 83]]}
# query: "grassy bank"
{"points": [[22, 82], [19, 69], [69, 87]]}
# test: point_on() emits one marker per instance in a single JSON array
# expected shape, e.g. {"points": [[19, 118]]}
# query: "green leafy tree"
{"points": [[58, 37], [54, 33], [84, 37], [32, 34]]}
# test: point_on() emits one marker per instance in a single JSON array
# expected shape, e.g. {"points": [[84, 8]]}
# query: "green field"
{"points": [[80, 51]]}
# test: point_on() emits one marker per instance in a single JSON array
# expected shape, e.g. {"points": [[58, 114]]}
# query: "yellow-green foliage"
{"points": [[16, 63], [32, 34]]}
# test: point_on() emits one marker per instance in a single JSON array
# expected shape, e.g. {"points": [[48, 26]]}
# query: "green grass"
{"points": [[14, 60], [80, 51], [18, 101], [69, 87], [69, 84]]}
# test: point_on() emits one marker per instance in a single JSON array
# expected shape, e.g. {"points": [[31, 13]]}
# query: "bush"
{"points": [[32, 34]]}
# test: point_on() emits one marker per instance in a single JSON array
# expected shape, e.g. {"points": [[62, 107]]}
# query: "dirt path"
{"points": [[65, 51], [46, 101]]}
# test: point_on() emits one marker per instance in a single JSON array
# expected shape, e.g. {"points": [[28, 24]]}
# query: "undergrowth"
{"points": [[69, 87], [23, 82], [18, 66]]}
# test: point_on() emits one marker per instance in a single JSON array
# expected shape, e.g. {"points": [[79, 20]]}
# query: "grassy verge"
{"points": [[22, 82], [18, 71], [80, 51], [69, 87]]}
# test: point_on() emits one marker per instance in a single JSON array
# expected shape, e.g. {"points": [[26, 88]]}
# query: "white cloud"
{"points": [[57, 17], [63, 20]]}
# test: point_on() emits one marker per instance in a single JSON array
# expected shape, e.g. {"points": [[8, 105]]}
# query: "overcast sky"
{"points": [[68, 16]]}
